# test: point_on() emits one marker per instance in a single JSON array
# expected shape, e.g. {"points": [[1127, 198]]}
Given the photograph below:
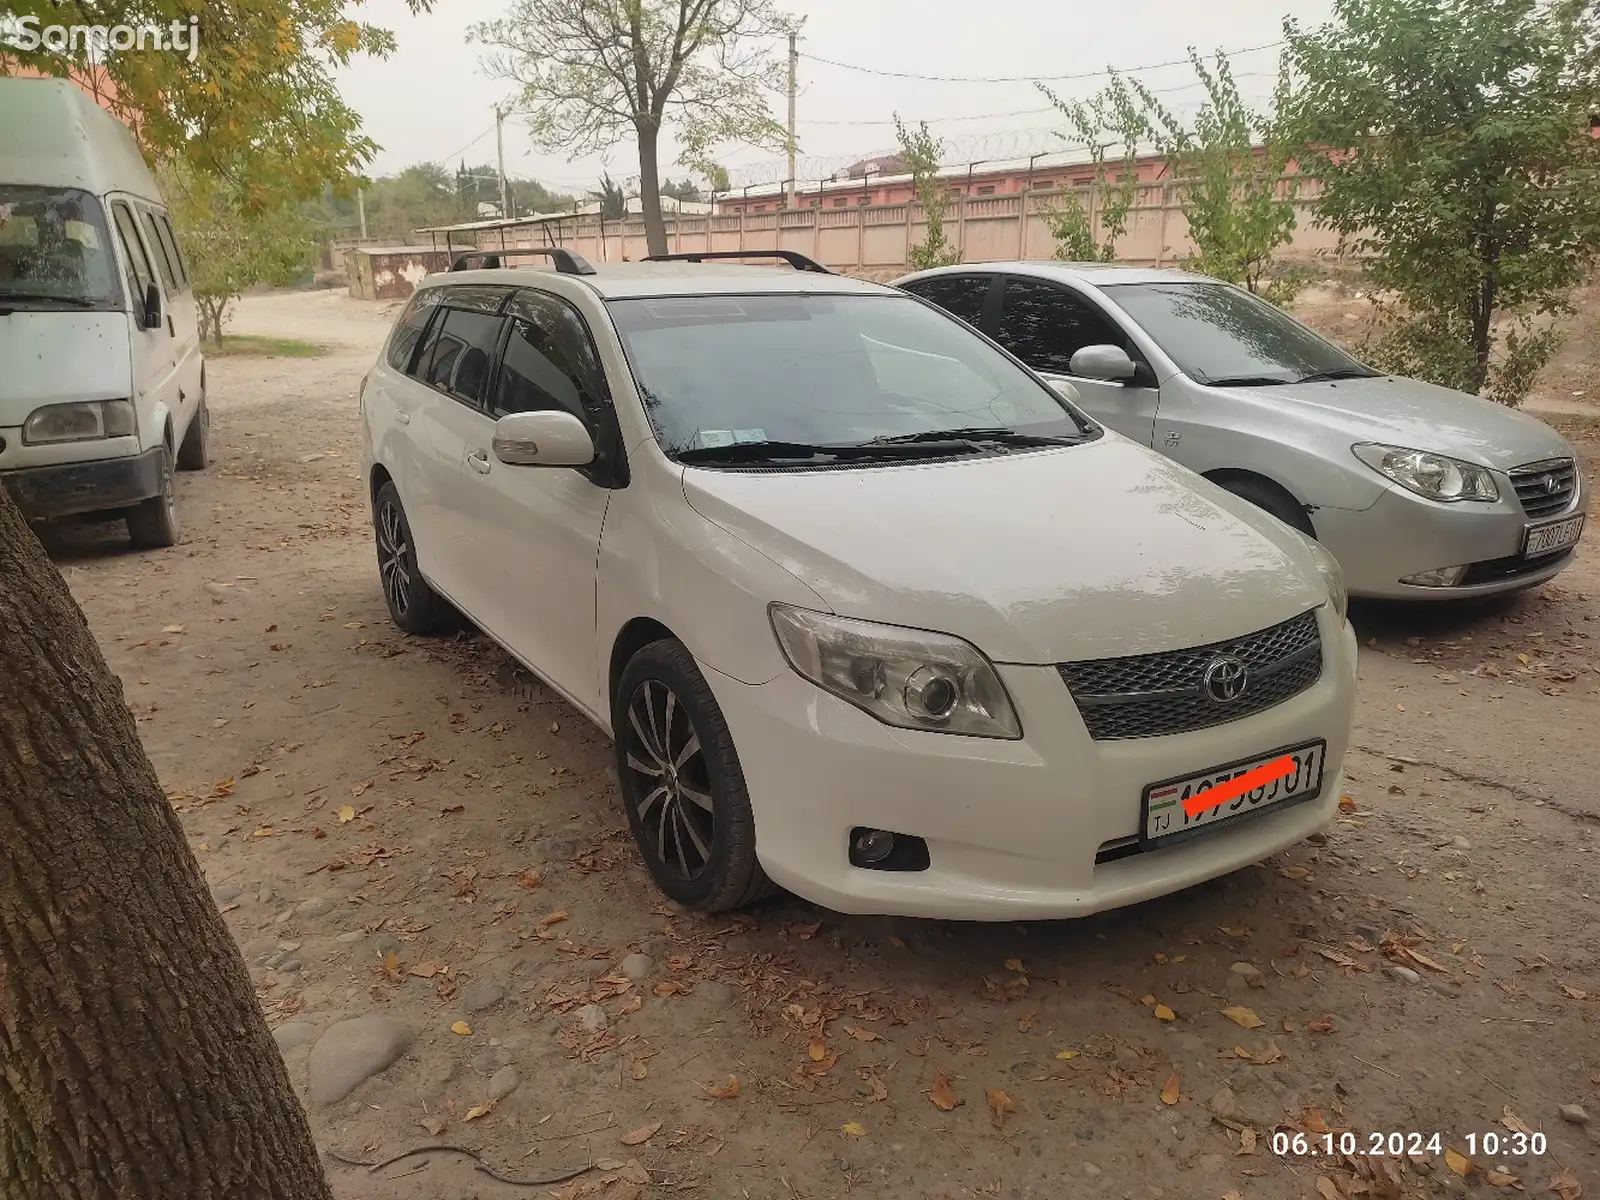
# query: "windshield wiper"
{"points": [[804, 452], [1003, 435], [45, 297], [1250, 381], [1339, 373]]}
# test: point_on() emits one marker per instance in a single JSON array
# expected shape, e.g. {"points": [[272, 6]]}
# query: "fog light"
{"points": [[872, 845], [1438, 577]]}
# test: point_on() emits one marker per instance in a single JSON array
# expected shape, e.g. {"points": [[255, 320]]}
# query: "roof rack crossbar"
{"points": [[793, 257], [567, 263]]}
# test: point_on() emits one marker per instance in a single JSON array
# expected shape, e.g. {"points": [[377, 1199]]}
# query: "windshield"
{"points": [[828, 372], [1222, 335], [54, 252]]}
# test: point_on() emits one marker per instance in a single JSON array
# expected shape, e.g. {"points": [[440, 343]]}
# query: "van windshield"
{"points": [[55, 252]]}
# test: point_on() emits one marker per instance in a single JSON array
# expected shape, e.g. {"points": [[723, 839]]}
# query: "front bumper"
{"points": [[1013, 828], [65, 489], [1404, 535]]}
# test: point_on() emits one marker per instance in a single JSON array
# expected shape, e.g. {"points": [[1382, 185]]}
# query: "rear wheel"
{"points": [[681, 783], [413, 605], [1273, 499], [194, 454], [153, 523]]}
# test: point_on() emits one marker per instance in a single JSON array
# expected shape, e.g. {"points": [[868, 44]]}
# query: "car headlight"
{"points": [[1333, 576], [904, 677], [1432, 475], [80, 422]]}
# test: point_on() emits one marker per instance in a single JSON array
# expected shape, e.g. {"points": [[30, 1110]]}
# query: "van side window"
{"points": [[169, 246], [132, 251], [169, 273]]}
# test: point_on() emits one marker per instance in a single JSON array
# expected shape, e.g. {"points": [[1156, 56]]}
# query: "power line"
{"points": [[468, 146], [1177, 62]]}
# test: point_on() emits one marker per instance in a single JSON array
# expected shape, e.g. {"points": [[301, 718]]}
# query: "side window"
{"points": [[132, 251], [1045, 326], [169, 273], [409, 328], [550, 362], [169, 243], [458, 362], [959, 295]]}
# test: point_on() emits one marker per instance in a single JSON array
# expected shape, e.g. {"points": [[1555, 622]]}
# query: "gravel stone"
{"points": [[351, 1052], [385, 943], [592, 1018], [505, 1081], [1404, 974], [226, 893], [291, 1034], [317, 906], [1574, 1113], [349, 939], [637, 967], [482, 995]]}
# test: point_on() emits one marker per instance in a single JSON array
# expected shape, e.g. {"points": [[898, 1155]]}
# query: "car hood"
{"points": [[1047, 556], [55, 357], [1423, 416]]}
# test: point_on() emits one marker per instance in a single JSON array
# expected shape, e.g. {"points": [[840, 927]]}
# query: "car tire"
{"points": [[153, 523], [1273, 499], [194, 453], [683, 790], [413, 605]]}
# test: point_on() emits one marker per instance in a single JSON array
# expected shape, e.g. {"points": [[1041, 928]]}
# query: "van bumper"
{"points": [[65, 489]]}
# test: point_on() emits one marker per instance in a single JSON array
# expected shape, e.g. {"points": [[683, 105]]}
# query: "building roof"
{"points": [[53, 134], [622, 281]]}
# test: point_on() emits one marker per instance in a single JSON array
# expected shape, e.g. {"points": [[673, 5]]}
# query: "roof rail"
{"points": [[793, 257], [567, 263]]}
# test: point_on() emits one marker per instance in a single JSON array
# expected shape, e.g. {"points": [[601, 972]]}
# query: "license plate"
{"points": [[1542, 539], [1164, 813]]}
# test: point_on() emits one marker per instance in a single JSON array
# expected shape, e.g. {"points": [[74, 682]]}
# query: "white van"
{"points": [[102, 384]]}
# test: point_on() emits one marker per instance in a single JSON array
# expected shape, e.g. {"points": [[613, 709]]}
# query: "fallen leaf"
{"points": [[554, 918], [346, 814], [863, 1035], [1572, 993], [1513, 1122], [1247, 1140], [818, 1050], [424, 970], [1312, 1121], [357, 788], [264, 831], [1014, 964], [999, 1105], [1347, 804], [880, 1090], [172, 629], [640, 1068], [1458, 1163], [1064, 1055], [1500, 1179], [1295, 872], [670, 987], [806, 932], [1234, 931], [1243, 1016], [462, 1028], [391, 965], [642, 1135], [634, 1003], [1163, 1013], [448, 809], [941, 1093], [1147, 1000], [1320, 1025], [1169, 1090], [1328, 1189], [1566, 1185], [529, 879], [723, 1091], [480, 1110], [853, 1129]]}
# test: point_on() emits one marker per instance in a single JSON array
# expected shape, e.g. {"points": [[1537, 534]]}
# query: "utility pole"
{"points": [[500, 155], [361, 211], [794, 62]]}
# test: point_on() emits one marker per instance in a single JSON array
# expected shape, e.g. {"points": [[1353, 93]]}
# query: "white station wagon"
{"points": [[870, 611]]}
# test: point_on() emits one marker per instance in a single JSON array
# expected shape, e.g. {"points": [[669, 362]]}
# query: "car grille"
{"points": [[1150, 695], [1495, 570], [1545, 488]]}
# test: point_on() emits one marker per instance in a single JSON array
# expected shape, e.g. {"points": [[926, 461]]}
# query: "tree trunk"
{"points": [[134, 1060], [655, 228]]}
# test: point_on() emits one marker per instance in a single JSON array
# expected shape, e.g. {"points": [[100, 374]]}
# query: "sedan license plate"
{"points": [[1542, 539], [1164, 814]]}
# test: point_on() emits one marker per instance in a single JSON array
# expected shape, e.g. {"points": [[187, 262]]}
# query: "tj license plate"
{"points": [[1542, 539], [1165, 815]]}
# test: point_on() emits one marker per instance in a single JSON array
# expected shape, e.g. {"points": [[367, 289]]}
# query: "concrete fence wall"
{"points": [[984, 228]]}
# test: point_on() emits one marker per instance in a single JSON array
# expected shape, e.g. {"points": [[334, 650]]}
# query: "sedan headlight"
{"points": [[1333, 576], [1432, 475], [904, 677], [79, 422]]}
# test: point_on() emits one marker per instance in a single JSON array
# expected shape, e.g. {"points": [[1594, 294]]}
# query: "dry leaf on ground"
{"points": [[1066, 1054], [1320, 1025], [643, 1134], [723, 1091], [818, 1049], [1328, 1189], [1247, 1140], [1513, 1122], [347, 813], [1501, 1179], [863, 1035], [1243, 1016], [640, 1068], [1566, 1186], [1163, 1013], [853, 1129], [1458, 1163], [999, 1105], [942, 1094], [462, 1028], [1169, 1090], [480, 1110]]}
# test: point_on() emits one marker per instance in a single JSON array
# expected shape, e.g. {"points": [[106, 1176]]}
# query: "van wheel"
{"points": [[413, 605], [153, 523], [195, 452], [682, 787], [1273, 499]]}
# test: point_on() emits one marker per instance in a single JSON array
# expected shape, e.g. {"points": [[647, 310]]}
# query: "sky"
{"points": [[433, 101]]}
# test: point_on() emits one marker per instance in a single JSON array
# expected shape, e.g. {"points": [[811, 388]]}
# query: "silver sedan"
{"points": [[1420, 492]]}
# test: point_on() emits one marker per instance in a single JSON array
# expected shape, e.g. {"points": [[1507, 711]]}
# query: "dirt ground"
{"points": [[414, 829]]}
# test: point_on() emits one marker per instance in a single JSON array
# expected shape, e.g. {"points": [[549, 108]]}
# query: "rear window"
{"points": [[410, 326], [55, 250]]}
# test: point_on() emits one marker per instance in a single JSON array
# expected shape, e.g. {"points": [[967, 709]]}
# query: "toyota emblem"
{"points": [[1225, 679]]}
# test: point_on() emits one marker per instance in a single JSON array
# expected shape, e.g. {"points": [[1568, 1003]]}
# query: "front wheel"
{"points": [[153, 523], [194, 453], [682, 786]]}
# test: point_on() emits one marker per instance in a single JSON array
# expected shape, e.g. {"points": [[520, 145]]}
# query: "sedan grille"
{"points": [[1151, 695], [1545, 488]]}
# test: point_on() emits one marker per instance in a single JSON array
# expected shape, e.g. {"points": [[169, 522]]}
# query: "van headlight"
{"points": [[80, 422], [1332, 576], [1432, 475], [908, 678]]}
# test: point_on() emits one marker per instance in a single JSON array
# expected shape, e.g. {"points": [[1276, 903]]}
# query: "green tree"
{"points": [[591, 73], [232, 246], [1451, 138], [613, 204], [921, 151], [1230, 167], [1111, 125], [255, 100]]}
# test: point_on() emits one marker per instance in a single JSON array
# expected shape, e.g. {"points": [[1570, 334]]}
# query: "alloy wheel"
{"points": [[393, 551], [672, 790]]}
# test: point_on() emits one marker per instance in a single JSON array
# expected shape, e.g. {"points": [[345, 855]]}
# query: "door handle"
{"points": [[478, 460], [402, 417]]}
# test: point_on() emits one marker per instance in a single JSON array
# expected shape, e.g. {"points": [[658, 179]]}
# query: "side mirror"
{"points": [[152, 306], [1102, 362], [542, 439]]}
